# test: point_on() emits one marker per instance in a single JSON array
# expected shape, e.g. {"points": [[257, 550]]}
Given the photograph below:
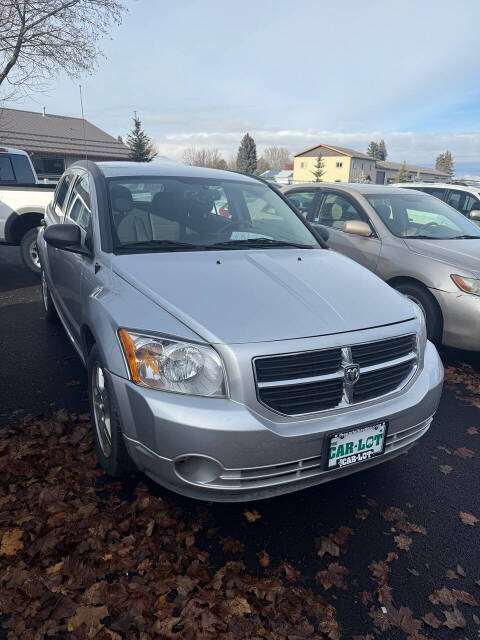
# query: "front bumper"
{"points": [[461, 319], [245, 456]]}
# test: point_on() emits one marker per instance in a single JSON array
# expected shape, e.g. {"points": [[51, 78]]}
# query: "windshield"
{"points": [[179, 214], [415, 215]]}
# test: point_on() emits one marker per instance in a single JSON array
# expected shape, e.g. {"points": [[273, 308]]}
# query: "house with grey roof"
{"points": [[54, 142], [387, 172]]}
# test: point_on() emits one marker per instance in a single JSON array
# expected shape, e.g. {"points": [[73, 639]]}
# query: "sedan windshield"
{"points": [[184, 214], [418, 215]]}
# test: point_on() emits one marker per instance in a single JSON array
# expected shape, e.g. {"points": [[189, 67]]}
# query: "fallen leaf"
{"points": [[446, 469], [239, 606], [472, 431], [362, 514], [414, 572], [461, 571], [454, 619], [11, 542], [403, 542], [442, 448], [465, 597], [252, 516], [55, 568], [89, 616], [451, 574], [463, 452], [232, 545], [328, 546], [334, 575], [263, 558], [432, 620], [468, 518]]}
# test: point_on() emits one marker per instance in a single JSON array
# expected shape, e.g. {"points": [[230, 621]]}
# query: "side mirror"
{"points": [[357, 228], [474, 214], [66, 237]]}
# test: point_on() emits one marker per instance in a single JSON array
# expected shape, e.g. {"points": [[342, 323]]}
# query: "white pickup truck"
{"points": [[22, 204]]}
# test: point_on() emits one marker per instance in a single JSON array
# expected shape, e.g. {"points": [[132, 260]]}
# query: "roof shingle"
{"points": [[38, 133]]}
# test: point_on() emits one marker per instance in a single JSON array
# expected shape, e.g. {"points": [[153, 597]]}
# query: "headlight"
{"points": [[422, 331], [172, 365], [469, 285]]}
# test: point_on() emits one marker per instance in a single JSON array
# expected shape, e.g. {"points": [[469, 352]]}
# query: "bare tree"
{"points": [[203, 157], [40, 38], [276, 157]]}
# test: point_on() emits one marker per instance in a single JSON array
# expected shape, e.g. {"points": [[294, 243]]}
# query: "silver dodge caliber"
{"points": [[229, 355]]}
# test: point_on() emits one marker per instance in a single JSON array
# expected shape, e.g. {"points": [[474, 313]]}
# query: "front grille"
{"points": [[303, 398], [298, 365], [382, 351], [312, 381], [377, 383]]}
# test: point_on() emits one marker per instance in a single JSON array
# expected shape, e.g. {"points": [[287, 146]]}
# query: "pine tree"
{"points": [[403, 173], [373, 149], [141, 147], [318, 168], [247, 155], [444, 162], [382, 150]]}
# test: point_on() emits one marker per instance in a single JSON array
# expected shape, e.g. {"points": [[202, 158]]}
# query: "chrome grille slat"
{"points": [[285, 384]]}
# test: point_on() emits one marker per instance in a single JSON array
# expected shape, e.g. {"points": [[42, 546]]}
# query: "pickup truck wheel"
{"points": [[28, 247], [49, 307], [109, 444], [429, 306]]}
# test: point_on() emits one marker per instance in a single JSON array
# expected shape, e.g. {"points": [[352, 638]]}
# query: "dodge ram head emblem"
{"points": [[351, 373]]}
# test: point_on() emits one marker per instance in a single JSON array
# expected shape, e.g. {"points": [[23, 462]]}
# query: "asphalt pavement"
{"points": [[432, 485]]}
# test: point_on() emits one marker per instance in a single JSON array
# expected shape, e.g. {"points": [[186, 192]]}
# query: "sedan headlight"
{"points": [[173, 365], [469, 285], [422, 331]]}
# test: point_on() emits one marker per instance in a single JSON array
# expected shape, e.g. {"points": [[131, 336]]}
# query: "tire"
{"points": [[431, 310], [48, 306], [109, 444], [29, 251]]}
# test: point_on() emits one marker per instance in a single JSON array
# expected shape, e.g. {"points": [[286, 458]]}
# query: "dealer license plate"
{"points": [[357, 445]]}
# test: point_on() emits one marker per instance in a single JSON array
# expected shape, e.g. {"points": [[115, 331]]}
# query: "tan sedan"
{"points": [[419, 245]]}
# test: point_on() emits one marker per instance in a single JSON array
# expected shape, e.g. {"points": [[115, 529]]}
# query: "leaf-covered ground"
{"points": [[85, 556]]}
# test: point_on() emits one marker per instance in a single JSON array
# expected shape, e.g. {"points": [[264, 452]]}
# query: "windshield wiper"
{"points": [[258, 242], [465, 237], [152, 245]]}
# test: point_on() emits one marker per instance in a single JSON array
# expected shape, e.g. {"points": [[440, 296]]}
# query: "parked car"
{"points": [[22, 204], [419, 245], [462, 197], [228, 358]]}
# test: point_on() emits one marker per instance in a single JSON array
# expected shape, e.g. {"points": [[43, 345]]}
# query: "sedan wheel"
{"points": [[101, 410], [105, 417]]}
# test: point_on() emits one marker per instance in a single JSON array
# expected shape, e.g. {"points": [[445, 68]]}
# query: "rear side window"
{"points": [[6, 170], [79, 210], [62, 191], [438, 193], [303, 200], [22, 168]]}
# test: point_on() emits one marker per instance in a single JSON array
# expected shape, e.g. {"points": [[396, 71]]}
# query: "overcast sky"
{"points": [[292, 74]]}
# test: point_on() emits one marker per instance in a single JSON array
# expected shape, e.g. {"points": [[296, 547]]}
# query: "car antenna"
{"points": [[83, 121]]}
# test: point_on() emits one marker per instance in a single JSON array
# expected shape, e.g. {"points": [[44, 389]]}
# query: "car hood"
{"points": [[463, 254], [257, 296]]}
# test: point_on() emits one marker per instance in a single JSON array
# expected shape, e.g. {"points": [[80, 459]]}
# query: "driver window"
{"points": [[335, 210], [419, 218]]}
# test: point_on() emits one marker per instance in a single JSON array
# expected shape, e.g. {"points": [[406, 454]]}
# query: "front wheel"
{"points": [[109, 444], [29, 250], [429, 306]]}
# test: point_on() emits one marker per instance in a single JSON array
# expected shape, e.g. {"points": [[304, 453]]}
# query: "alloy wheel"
{"points": [[101, 410]]}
